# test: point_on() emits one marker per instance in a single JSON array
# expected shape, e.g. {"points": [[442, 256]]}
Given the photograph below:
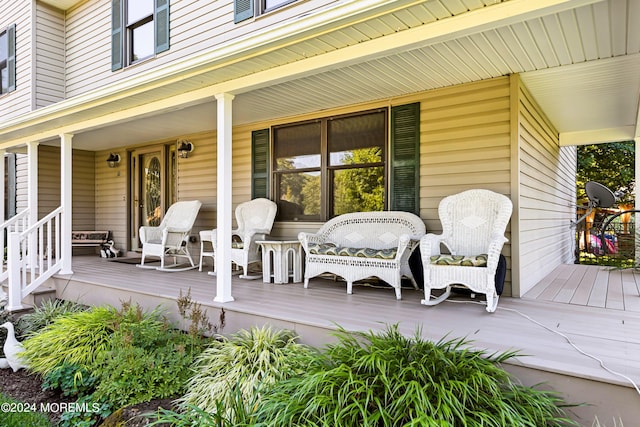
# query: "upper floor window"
{"points": [[8, 60], [245, 9], [139, 30]]}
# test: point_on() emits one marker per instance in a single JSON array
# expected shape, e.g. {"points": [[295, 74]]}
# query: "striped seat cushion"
{"points": [[460, 260]]}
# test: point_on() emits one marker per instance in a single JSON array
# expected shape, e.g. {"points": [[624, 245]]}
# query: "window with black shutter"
{"points": [[139, 30]]}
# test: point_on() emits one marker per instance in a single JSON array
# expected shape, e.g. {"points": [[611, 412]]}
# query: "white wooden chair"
{"points": [[171, 237], [255, 220], [473, 224]]}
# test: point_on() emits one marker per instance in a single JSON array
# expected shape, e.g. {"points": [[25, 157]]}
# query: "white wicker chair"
{"points": [[171, 237], [473, 223], [359, 245], [255, 220]]}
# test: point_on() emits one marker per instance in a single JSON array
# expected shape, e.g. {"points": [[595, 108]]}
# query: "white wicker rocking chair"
{"points": [[255, 220], [171, 237], [473, 223]]}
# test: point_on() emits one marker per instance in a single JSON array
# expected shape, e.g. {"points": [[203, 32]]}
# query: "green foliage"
{"points": [[76, 339], [144, 364], [45, 314], [95, 411], [612, 165], [360, 189], [386, 379], [21, 418], [254, 360], [237, 413], [69, 379]]}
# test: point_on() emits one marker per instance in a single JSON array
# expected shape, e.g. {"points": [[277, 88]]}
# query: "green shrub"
{"points": [[79, 338], [386, 379], [45, 314], [70, 380], [156, 364], [254, 360], [21, 417]]}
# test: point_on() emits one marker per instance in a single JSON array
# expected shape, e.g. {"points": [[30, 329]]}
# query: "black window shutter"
{"points": [[117, 42], [404, 191], [161, 19], [260, 163], [10, 171], [242, 9], [11, 58]]}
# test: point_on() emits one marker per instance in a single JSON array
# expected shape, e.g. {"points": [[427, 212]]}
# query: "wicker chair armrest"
{"points": [[148, 233], [308, 238], [494, 249], [404, 243], [430, 244]]}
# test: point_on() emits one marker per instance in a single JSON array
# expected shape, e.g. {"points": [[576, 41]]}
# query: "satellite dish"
{"points": [[599, 195]]}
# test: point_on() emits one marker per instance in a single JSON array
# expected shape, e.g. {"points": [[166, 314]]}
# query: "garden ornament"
{"points": [[12, 348]]}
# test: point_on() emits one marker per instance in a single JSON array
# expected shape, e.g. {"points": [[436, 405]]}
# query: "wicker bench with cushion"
{"points": [[359, 245]]}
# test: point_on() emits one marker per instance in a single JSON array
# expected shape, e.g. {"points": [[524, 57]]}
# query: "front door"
{"points": [[152, 187]]}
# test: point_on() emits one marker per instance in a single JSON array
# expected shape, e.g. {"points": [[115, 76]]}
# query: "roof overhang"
{"points": [[589, 100]]}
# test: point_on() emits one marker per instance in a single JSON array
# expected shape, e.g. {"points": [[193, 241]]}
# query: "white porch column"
{"points": [[32, 196], [224, 211], [66, 202], [3, 189], [32, 181], [3, 295]]}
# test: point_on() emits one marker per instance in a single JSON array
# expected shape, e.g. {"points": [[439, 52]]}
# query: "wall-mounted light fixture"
{"points": [[184, 148], [113, 160]]}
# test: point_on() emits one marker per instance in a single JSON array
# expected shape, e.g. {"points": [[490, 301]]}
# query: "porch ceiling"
{"points": [[580, 59]]}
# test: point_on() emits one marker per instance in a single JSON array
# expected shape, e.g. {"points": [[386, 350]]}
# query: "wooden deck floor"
{"points": [[605, 323], [590, 286]]}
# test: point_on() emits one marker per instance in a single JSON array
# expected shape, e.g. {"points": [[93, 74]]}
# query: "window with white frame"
{"points": [[246, 9], [139, 30], [8, 59]]}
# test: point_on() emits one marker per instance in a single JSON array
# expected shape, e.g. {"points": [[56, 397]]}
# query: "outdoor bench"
{"points": [[95, 238], [89, 238], [359, 245]]}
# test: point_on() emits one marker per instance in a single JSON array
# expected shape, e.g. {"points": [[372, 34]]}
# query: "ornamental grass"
{"points": [[387, 379]]}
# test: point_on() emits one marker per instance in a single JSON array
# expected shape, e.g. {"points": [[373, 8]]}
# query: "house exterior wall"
{"points": [[49, 55], [466, 142], [546, 199], [195, 26], [19, 101], [83, 190]]}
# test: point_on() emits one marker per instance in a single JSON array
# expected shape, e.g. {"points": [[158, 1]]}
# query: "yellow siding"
{"points": [[546, 200], [111, 206], [83, 188]]}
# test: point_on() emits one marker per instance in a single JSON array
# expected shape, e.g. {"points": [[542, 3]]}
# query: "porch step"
{"points": [[36, 298]]}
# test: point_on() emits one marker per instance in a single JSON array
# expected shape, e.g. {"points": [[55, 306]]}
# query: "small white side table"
{"points": [[282, 251]]}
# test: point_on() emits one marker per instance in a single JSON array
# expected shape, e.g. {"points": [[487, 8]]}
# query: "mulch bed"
{"points": [[27, 388]]}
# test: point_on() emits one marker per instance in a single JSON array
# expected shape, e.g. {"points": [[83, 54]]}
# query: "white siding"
{"points": [[19, 101], [547, 195], [195, 26], [49, 56]]}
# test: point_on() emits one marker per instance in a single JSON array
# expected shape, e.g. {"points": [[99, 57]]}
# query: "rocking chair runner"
{"points": [[473, 223], [171, 237], [255, 220]]}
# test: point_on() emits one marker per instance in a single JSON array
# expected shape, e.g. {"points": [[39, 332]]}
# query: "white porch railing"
{"points": [[17, 223], [33, 256]]}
